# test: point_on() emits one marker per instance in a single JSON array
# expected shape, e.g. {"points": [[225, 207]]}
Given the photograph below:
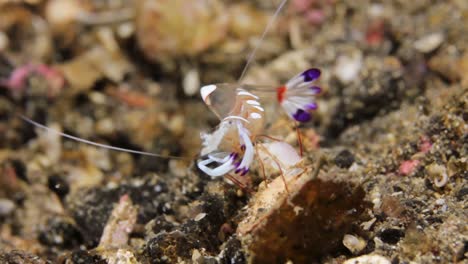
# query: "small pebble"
{"points": [[200, 216], [355, 244], [429, 42], [439, 174], [20, 169], [197, 256], [348, 67], [6, 207], [191, 82], [407, 167], [344, 159], [391, 235], [368, 259], [58, 185], [4, 41]]}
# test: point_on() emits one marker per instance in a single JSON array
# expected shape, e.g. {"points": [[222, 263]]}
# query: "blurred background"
{"points": [[392, 116]]}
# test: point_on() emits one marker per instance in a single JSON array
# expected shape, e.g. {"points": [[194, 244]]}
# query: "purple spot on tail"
{"points": [[311, 74], [236, 165], [316, 89], [246, 170], [312, 106], [302, 116]]}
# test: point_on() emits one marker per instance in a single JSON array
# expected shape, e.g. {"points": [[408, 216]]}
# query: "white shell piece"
{"points": [[368, 259]]}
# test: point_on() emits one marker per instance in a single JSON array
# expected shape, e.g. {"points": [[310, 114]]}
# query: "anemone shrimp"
{"points": [[242, 119]]}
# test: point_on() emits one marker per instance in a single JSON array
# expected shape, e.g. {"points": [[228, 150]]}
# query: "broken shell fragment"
{"points": [[355, 244]]}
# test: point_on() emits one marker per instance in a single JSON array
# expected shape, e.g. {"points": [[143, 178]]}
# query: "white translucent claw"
{"points": [[249, 149], [221, 170], [205, 91], [220, 157]]}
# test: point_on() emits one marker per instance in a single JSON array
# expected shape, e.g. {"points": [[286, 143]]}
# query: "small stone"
{"points": [[407, 167], [58, 185], [439, 175], [60, 232], [6, 207], [120, 224], [19, 256], [197, 256], [191, 82], [429, 42], [105, 126], [368, 259], [200, 216], [4, 41], [177, 124], [348, 67], [368, 224], [20, 169], [462, 193], [344, 159], [391, 235], [355, 244], [121, 256], [60, 14], [83, 257]]}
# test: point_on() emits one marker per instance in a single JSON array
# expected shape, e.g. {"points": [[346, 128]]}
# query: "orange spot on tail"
{"points": [[280, 93]]}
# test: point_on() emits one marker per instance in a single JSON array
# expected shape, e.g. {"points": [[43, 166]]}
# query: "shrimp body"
{"points": [[242, 119], [230, 147]]}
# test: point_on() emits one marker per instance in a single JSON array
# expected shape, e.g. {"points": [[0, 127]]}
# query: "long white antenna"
{"points": [[267, 29], [48, 129]]}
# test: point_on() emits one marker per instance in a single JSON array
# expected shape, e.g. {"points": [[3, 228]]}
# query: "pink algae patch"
{"points": [[407, 167], [425, 144], [18, 78]]}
